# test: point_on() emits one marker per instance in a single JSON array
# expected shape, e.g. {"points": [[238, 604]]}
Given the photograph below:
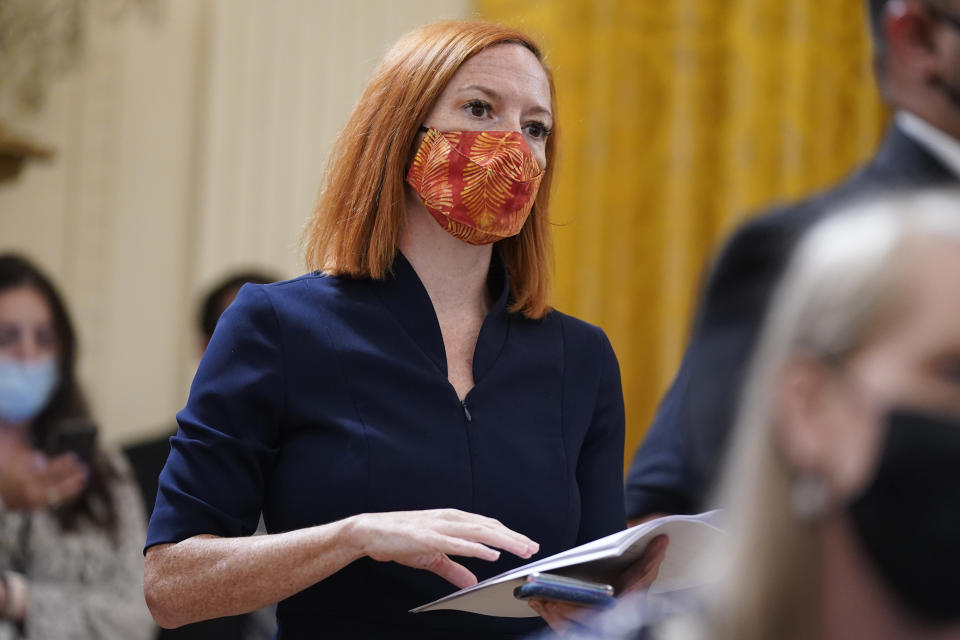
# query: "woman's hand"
{"points": [[30, 480], [208, 577], [640, 575], [426, 539]]}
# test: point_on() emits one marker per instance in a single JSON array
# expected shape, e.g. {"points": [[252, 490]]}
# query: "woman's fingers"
{"points": [[540, 611], [483, 523], [449, 570], [426, 539], [495, 536], [567, 610], [62, 467], [556, 614], [642, 573], [61, 480], [71, 486], [460, 547], [33, 481]]}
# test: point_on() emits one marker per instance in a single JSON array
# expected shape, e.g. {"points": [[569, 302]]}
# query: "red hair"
{"points": [[356, 227]]}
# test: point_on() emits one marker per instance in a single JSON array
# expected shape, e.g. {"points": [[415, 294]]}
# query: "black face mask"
{"points": [[908, 517]]}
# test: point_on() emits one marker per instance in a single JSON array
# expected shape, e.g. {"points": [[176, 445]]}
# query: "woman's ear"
{"points": [[801, 408]]}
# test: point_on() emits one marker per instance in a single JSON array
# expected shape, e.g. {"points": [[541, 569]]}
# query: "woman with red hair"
{"points": [[414, 397]]}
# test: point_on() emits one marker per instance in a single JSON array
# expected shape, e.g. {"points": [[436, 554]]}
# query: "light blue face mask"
{"points": [[25, 388]]}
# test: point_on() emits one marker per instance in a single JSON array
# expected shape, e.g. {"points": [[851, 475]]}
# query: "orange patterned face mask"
{"points": [[479, 185]]}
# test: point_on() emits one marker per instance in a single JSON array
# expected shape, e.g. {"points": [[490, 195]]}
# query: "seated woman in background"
{"points": [[843, 484], [70, 529]]}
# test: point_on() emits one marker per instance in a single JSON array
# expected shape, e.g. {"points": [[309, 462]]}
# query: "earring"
{"points": [[809, 496]]}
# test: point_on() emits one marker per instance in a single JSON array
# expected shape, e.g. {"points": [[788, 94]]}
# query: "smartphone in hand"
{"points": [[78, 435], [552, 587]]}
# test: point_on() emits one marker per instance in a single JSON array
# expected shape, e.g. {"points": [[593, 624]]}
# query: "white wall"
{"points": [[185, 149]]}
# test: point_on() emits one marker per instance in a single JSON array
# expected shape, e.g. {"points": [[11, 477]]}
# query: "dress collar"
{"points": [[404, 295]]}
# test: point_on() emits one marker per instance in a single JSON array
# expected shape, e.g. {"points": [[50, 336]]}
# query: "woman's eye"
{"points": [[46, 338], [536, 130], [9, 336], [950, 370], [477, 108]]}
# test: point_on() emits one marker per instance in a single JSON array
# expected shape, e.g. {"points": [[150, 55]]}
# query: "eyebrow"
{"points": [[493, 94]]}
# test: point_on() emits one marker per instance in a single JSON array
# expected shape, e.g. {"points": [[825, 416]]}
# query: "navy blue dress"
{"points": [[324, 397]]}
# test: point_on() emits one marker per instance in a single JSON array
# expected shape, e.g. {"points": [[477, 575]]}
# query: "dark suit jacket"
{"points": [[674, 467]]}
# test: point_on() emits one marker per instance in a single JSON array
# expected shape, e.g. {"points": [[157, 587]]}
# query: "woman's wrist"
{"points": [[350, 535]]}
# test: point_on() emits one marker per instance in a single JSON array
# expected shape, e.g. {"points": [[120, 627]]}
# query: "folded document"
{"points": [[602, 560]]}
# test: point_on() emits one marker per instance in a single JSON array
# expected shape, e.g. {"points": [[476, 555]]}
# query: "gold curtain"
{"points": [[678, 118]]}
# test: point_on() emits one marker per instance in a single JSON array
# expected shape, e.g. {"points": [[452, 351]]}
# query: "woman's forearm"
{"points": [[208, 577]]}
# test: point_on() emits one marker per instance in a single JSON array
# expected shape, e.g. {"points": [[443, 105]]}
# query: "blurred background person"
{"points": [[842, 483], [917, 53], [71, 522], [147, 458]]}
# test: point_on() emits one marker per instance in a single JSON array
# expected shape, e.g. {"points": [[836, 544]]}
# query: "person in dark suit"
{"points": [[917, 47]]}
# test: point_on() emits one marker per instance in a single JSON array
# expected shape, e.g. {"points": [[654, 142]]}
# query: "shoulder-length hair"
{"points": [[356, 227], [67, 402]]}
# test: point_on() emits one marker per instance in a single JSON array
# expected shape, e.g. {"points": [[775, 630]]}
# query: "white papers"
{"points": [[691, 537]]}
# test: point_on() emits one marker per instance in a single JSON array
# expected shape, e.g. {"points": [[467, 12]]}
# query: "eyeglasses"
{"points": [[940, 14]]}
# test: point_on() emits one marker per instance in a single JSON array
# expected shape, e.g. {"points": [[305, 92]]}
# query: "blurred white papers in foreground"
{"points": [[691, 537]]}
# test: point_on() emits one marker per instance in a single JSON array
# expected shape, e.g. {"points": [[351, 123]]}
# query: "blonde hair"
{"points": [[844, 279], [356, 227]]}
